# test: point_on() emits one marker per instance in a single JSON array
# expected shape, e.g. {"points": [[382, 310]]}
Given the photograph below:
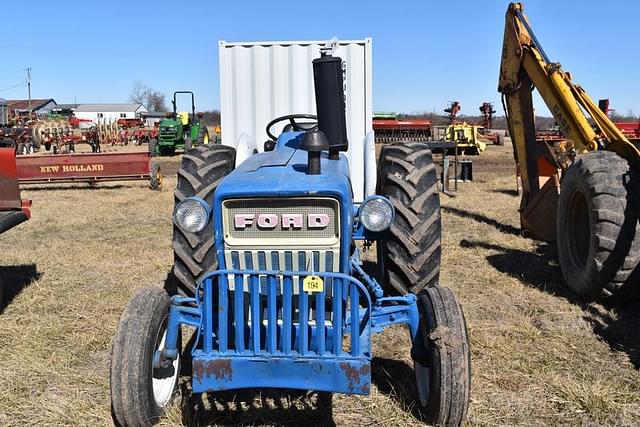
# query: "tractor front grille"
{"points": [[252, 234], [327, 260], [281, 248], [280, 320]]}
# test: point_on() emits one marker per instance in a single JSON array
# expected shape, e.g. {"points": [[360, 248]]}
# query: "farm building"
{"points": [[108, 112], [39, 106]]}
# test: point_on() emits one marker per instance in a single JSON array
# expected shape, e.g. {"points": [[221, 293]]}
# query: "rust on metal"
{"points": [[539, 214], [355, 376], [218, 368]]}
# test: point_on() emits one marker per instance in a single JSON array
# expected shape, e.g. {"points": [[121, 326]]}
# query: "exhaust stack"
{"points": [[330, 104]]}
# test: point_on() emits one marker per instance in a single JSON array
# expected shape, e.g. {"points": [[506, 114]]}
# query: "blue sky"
{"points": [[425, 53]]}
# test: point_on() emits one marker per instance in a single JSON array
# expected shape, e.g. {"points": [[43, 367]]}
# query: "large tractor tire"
{"points": [[140, 392], [410, 256], [443, 377], [200, 172], [597, 223]]}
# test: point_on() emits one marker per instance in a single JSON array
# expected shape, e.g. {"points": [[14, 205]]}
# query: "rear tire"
{"points": [[203, 135], [597, 223], [140, 393], [200, 172], [410, 256], [443, 380]]}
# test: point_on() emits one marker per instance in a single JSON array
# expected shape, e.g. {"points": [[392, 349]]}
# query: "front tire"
{"points": [[153, 147], [411, 253], [155, 176], [597, 222], [443, 379], [140, 393], [200, 172]]}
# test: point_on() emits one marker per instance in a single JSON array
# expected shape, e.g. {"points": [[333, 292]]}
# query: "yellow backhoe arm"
{"points": [[590, 212], [525, 66]]}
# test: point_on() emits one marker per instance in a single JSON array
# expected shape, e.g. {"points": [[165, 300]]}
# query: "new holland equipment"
{"points": [[581, 191], [180, 131], [270, 274]]}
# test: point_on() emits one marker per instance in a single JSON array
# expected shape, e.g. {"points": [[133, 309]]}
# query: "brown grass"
{"points": [[540, 357]]}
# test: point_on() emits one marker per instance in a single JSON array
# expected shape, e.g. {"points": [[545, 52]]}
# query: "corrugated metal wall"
{"points": [[262, 80]]}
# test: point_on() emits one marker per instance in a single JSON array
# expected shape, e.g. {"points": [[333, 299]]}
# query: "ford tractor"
{"points": [[270, 275], [179, 131]]}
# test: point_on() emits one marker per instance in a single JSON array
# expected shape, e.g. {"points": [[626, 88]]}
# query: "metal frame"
{"points": [[232, 351], [85, 167]]}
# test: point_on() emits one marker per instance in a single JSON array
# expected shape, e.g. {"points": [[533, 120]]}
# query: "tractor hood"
{"points": [[283, 173], [169, 123]]}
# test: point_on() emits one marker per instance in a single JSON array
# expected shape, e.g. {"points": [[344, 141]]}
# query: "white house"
{"points": [[108, 112]]}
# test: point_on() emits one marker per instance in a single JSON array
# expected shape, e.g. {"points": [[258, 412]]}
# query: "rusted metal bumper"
{"points": [[89, 167], [350, 376]]}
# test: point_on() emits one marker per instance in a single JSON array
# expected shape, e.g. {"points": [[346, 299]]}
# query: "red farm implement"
{"points": [[13, 209], [388, 128], [630, 129], [91, 168]]}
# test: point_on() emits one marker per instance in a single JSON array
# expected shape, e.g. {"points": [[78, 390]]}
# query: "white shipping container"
{"points": [[260, 81]]}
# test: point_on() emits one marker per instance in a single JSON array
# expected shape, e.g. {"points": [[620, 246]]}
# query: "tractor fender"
{"points": [[245, 148], [370, 166]]}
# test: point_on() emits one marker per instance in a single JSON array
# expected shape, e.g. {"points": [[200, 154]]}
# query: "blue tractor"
{"points": [[268, 271]]}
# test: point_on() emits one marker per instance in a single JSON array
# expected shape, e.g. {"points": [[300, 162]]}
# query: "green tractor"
{"points": [[179, 131]]}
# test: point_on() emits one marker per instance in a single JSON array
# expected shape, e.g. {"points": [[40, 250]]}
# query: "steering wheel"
{"points": [[299, 127]]}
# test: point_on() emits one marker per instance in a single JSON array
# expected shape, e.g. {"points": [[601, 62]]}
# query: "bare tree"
{"points": [[152, 100], [156, 101]]}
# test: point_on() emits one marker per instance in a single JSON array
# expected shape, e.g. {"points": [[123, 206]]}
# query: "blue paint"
{"points": [[269, 335]]}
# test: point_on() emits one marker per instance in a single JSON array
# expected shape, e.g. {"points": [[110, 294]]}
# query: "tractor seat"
{"points": [[183, 116]]}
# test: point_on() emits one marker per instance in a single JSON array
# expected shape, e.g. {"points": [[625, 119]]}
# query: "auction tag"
{"points": [[313, 284]]}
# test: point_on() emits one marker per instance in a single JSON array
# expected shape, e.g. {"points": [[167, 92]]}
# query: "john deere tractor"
{"points": [[179, 131]]}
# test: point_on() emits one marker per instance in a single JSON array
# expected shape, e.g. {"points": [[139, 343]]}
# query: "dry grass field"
{"points": [[540, 357]]}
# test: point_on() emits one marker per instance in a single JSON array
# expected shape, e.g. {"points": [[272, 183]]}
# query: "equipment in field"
{"points": [[630, 129], [486, 124], [388, 128], [181, 131], [89, 168], [269, 273], [582, 190], [13, 209]]}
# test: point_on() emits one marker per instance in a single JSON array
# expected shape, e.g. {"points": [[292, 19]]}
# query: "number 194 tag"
{"points": [[313, 284]]}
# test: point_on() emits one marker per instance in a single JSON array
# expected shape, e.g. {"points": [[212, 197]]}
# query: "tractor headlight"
{"points": [[376, 213], [192, 214]]}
